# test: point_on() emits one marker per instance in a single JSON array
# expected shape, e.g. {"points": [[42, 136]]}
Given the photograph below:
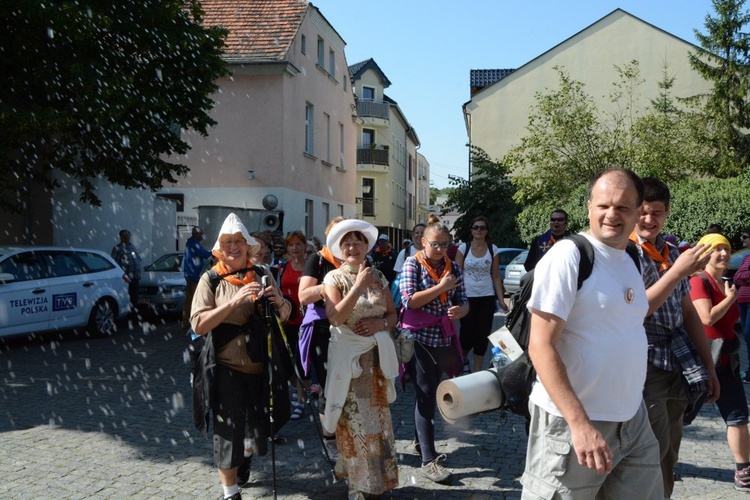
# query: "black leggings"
{"points": [[477, 325], [426, 369]]}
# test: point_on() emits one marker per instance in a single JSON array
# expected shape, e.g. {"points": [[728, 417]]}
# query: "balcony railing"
{"points": [[372, 156], [374, 109]]}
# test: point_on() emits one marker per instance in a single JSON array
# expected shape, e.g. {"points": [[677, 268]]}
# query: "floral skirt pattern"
{"points": [[364, 436]]}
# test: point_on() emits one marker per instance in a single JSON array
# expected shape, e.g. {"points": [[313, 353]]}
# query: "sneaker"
{"points": [[742, 479], [467, 369], [330, 450], [243, 471], [436, 472], [236, 496]]}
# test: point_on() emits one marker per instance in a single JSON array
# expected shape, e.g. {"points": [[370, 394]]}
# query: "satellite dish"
{"points": [[270, 202]]}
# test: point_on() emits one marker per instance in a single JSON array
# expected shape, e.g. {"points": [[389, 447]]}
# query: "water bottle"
{"points": [[499, 358]]}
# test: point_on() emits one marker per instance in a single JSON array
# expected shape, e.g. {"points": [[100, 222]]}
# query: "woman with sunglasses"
{"points": [[480, 263], [742, 282], [433, 295]]}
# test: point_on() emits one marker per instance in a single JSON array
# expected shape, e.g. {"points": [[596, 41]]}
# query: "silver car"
{"points": [[58, 288], [514, 272], [161, 289]]}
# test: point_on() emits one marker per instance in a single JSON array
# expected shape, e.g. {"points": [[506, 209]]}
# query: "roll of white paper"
{"points": [[468, 395]]}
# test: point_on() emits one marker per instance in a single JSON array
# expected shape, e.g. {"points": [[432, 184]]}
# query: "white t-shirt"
{"points": [[402, 257], [603, 344], [478, 272]]}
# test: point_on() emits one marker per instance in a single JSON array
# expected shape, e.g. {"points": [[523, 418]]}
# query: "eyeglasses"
{"points": [[479, 228], [438, 244], [279, 248], [558, 219], [744, 236]]}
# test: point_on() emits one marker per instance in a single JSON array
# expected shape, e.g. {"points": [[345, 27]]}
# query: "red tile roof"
{"points": [[259, 30]]}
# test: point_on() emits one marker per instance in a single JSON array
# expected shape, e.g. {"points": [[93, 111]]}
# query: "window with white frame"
{"points": [[368, 196], [309, 128], [341, 145], [331, 62], [368, 93]]}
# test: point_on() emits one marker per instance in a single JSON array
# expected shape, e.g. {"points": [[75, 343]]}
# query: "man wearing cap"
{"points": [[192, 266], [384, 257]]}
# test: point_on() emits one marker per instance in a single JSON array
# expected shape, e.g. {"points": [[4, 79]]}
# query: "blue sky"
{"points": [[426, 48]]}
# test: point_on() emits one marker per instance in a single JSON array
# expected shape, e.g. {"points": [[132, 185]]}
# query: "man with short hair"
{"points": [[680, 368], [192, 267], [125, 254], [589, 434], [384, 257], [558, 229]]}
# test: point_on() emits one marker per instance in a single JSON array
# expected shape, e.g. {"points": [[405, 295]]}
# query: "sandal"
{"points": [[298, 411]]}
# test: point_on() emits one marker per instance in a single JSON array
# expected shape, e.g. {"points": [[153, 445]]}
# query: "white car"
{"points": [[57, 288]]}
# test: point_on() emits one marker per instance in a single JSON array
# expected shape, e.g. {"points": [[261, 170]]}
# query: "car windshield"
{"points": [[520, 258], [167, 263]]}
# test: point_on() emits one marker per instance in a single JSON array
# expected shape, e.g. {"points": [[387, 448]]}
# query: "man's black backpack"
{"points": [[516, 378]]}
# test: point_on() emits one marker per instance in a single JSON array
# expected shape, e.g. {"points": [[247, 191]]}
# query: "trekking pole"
{"points": [[270, 317]]}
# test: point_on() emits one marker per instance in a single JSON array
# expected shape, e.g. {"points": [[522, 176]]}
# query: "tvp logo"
{"points": [[64, 302]]}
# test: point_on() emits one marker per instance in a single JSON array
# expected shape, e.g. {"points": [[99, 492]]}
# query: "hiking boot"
{"points": [[243, 471], [742, 479], [436, 472]]}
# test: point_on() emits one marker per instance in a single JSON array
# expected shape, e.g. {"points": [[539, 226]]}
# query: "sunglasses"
{"points": [[558, 219], [479, 228], [744, 236]]}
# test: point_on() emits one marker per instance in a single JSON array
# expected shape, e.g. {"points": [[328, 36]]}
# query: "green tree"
{"points": [[566, 142], [490, 193], [101, 89], [724, 62]]}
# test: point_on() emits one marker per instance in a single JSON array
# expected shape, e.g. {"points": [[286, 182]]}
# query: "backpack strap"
{"points": [[586, 265], [707, 283]]}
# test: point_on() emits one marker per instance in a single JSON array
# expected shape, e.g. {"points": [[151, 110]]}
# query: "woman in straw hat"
{"points": [[362, 364]]}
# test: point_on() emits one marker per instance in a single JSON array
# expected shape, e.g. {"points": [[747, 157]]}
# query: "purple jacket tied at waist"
{"points": [[312, 315], [416, 319]]}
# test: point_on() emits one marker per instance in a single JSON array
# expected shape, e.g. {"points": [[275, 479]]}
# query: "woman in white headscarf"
{"points": [[232, 379], [362, 364]]}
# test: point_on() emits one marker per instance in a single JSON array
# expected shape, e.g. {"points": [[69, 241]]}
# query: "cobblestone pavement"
{"points": [[110, 418]]}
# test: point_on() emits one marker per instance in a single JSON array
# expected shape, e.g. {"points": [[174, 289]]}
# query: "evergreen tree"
{"points": [[724, 62]]}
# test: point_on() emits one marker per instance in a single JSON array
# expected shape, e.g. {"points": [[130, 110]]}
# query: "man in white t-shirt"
{"points": [[589, 433], [416, 236]]}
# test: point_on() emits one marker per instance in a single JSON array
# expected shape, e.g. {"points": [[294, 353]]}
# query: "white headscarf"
{"points": [[233, 225]]}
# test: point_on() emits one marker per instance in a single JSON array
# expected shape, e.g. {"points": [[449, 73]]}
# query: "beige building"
{"points": [[285, 120], [388, 173], [497, 114]]}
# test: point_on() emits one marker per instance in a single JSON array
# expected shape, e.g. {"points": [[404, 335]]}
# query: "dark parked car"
{"points": [[162, 286]]}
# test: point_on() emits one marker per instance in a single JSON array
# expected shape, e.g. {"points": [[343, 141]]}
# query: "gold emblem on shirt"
{"points": [[629, 295]]}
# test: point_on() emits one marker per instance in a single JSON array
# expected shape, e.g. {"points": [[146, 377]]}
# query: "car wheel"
{"points": [[102, 319]]}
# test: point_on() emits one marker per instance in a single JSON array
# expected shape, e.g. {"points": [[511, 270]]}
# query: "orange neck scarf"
{"points": [[231, 277], [325, 252], [422, 259], [661, 258]]}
